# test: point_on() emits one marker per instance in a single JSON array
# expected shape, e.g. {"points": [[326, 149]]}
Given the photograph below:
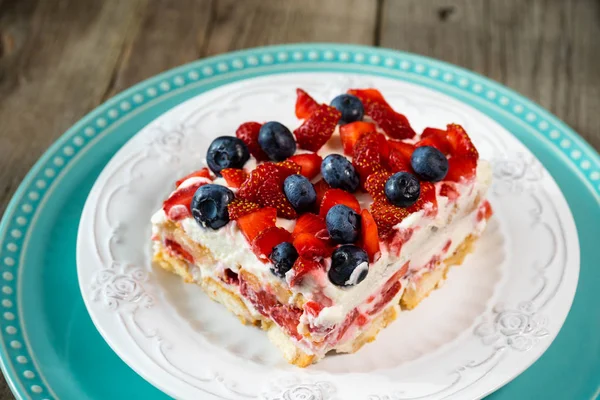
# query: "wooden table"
{"points": [[61, 58]]}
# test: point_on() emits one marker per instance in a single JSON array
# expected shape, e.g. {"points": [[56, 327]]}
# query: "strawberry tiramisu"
{"points": [[323, 235]]}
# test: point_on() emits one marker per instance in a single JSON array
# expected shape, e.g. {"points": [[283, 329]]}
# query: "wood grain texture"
{"points": [[547, 50]]}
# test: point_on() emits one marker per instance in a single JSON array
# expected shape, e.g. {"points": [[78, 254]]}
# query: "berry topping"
{"points": [[369, 239], [226, 152], [238, 208], [177, 206], [436, 140], [370, 152], [337, 196], [375, 185], [305, 105], [263, 172], [202, 173], [310, 164], [254, 223], [402, 189], [248, 133], [343, 224], [429, 163], [299, 192], [310, 223], [339, 173], [209, 205], [406, 149], [277, 141], [350, 133], [321, 187], [303, 267], [387, 216], [448, 190], [264, 243], [270, 194], [234, 177], [398, 162], [464, 158], [349, 265], [311, 247], [287, 168], [318, 128], [350, 106], [283, 257], [484, 211]]}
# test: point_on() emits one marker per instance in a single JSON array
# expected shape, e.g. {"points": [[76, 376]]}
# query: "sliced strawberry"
{"points": [[448, 190], [177, 206], [313, 308], [433, 132], [311, 247], [288, 318], [234, 176], [337, 196], [406, 149], [305, 105], [318, 128], [310, 223], [248, 133], [485, 211], [254, 223], [310, 164], [320, 188], [395, 125], [201, 173], [368, 95], [369, 155], [287, 168], [439, 142], [270, 194], [178, 250], [301, 268], [426, 199], [398, 162], [238, 208], [263, 172], [263, 244], [375, 185], [350, 318], [460, 142], [460, 167], [350, 133], [369, 239], [387, 216], [386, 296]]}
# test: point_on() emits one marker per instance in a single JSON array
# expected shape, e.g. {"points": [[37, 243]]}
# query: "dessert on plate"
{"points": [[321, 236]]}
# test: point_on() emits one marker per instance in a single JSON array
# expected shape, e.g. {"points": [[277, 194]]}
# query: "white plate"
{"points": [[493, 318]]}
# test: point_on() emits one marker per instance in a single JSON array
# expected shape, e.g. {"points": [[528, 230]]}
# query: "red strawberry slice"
{"points": [[263, 244], [263, 172], [485, 211], [398, 162], [234, 177], [287, 168], [313, 308], [288, 318], [426, 199], [320, 188], [461, 143], [387, 216], [368, 95], [433, 132], [369, 239], [395, 125], [460, 167], [406, 149], [337, 196], [310, 164], [318, 128], [270, 194], [439, 142], [310, 247], [177, 206], [370, 154], [248, 133], [350, 133], [310, 223], [254, 223], [202, 173], [305, 105], [375, 185], [301, 268], [448, 190], [238, 208]]}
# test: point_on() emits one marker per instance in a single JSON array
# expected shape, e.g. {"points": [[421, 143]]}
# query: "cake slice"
{"points": [[322, 236]]}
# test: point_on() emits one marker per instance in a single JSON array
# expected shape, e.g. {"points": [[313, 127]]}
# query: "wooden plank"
{"points": [[548, 50]]}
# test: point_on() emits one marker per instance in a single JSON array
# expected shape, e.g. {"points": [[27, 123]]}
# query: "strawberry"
{"points": [[427, 196], [448, 190], [263, 244], [395, 125], [311, 247], [249, 189], [387, 216], [305, 105], [350, 133], [234, 176], [254, 223], [433, 132], [460, 142], [320, 188], [248, 133], [376, 183], [177, 206], [310, 223], [485, 211], [270, 194], [288, 318], [238, 208], [369, 240], [460, 167], [318, 128], [313, 308], [368, 96], [369, 155], [406, 149], [287, 168], [439, 142], [310, 164], [398, 162], [202, 173], [337, 196], [301, 268]]}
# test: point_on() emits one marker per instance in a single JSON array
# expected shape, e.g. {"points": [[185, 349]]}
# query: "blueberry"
{"points": [[429, 163], [339, 173], [300, 192], [402, 189], [283, 257], [226, 152], [349, 265], [343, 224], [276, 141], [350, 106], [209, 205]]}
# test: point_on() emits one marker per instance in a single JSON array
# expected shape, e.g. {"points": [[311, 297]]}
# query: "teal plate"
{"points": [[50, 348]]}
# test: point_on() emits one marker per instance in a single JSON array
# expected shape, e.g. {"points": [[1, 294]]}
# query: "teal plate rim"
{"points": [[25, 378]]}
